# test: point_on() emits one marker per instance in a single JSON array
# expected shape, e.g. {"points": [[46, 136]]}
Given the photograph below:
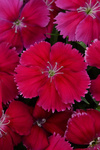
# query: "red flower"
{"points": [[45, 124], [22, 25], [92, 57], [8, 61], [57, 74], [80, 21], [16, 120], [56, 142], [84, 128]]}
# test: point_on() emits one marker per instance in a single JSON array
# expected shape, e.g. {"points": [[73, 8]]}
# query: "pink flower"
{"points": [[56, 142], [84, 128], [22, 25], [81, 20], [45, 124], [92, 57], [57, 74], [8, 61], [16, 120]]}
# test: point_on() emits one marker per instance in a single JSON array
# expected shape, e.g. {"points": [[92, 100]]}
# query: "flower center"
{"points": [[90, 9], [3, 122], [17, 24], [40, 122], [94, 142], [52, 71]]}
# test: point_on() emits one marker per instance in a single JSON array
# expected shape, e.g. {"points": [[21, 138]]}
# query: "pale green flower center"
{"points": [[52, 71], [90, 9], [18, 24]]}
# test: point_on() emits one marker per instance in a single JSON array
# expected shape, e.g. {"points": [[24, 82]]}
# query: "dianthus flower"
{"points": [[22, 24], [44, 124], [56, 142], [81, 20], [16, 121], [84, 129], [54, 73], [8, 61], [92, 57]]}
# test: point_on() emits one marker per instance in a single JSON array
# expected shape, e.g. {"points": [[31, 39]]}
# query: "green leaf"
{"points": [[82, 44], [84, 99]]}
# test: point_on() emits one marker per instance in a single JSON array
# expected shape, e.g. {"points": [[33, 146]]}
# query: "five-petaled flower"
{"points": [[81, 20], [54, 73], [23, 24]]}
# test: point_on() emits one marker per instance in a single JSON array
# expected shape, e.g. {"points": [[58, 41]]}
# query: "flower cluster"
{"points": [[49, 75]]}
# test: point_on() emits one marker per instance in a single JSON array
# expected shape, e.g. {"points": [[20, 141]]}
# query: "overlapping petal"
{"points": [[80, 129], [20, 118], [58, 143], [37, 139], [92, 54], [95, 88]]}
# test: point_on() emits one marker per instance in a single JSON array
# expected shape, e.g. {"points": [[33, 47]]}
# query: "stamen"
{"points": [[51, 2], [59, 69], [49, 64], [18, 23], [95, 5], [40, 122], [3, 123], [89, 9], [2, 131], [55, 66]]}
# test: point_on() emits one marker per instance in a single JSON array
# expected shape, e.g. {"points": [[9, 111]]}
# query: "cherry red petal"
{"points": [[9, 9], [29, 80], [6, 143], [95, 88], [72, 85], [66, 4], [35, 13], [37, 55], [32, 34], [16, 138], [57, 122], [58, 143], [49, 98], [95, 116], [9, 59], [36, 140], [67, 23], [20, 117], [67, 57], [39, 112], [92, 54], [84, 31], [8, 87], [80, 129]]}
